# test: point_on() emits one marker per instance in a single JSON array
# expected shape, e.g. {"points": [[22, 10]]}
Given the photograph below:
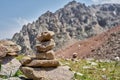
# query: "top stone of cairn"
{"points": [[45, 36]]}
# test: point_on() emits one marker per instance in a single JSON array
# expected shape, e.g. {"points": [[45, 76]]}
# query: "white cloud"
{"points": [[22, 21], [105, 1]]}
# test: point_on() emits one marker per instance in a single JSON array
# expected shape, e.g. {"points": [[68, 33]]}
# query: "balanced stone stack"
{"points": [[37, 67], [8, 48], [9, 64]]}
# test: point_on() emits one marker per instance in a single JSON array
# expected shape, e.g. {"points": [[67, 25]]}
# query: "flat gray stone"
{"points": [[59, 73], [9, 66]]}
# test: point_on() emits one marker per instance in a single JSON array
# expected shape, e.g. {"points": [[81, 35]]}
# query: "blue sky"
{"points": [[15, 13]]}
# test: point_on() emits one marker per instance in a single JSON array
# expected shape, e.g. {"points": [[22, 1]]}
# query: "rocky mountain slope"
{"points": [[110, 49], [75, 21], [103, 46]]}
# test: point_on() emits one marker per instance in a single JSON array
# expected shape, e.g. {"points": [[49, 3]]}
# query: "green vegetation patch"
{"points": [[18, 73], [19, 57], [91, 69]]}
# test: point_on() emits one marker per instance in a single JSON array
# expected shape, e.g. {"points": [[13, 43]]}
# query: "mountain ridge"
{"points": [[75, 21]]}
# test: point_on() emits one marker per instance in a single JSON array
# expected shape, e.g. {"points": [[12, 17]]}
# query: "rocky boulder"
{"points": [[8, 63], [60, 73], [9, 66], [45, 36], [8, 48], [11, 46]]}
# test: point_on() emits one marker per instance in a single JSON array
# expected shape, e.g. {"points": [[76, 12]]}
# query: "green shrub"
{"points": [[18, 73]]}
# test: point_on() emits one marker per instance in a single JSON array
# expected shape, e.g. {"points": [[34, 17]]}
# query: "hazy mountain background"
{"points": [[75, 21]]}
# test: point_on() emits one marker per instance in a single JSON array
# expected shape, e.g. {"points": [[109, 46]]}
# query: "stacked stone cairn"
{"points": [[36, 67], [8, 48], [9, 64]]}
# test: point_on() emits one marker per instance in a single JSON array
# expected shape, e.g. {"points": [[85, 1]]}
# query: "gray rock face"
{"points": [[74, 21], [9, 66]]}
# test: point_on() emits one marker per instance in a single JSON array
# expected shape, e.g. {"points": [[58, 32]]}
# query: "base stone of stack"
{"points": [[49, 55], [60, 73], [43, 63]]}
